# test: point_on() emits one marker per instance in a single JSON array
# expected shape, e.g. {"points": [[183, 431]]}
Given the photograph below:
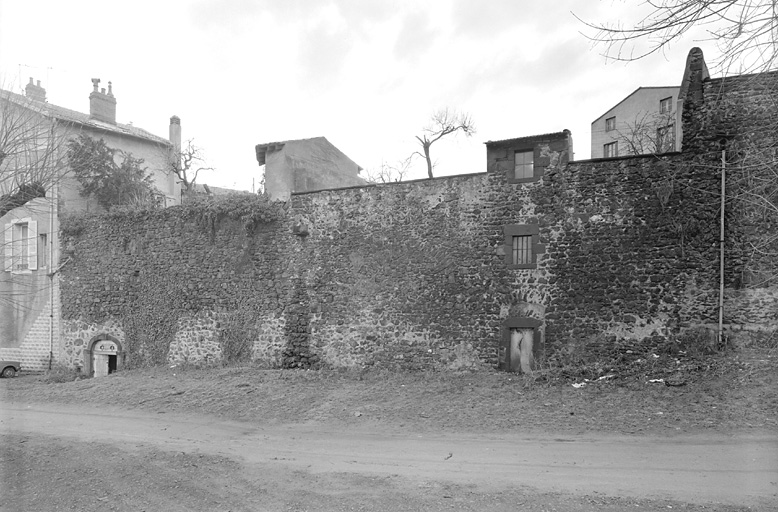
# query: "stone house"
{"points": [[32, 252], [305, 165]]}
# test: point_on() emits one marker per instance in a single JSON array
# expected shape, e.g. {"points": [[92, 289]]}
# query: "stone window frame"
{"points": [[520, 322], [610, 124], [511, 230], [538, 166], [524, 166]]}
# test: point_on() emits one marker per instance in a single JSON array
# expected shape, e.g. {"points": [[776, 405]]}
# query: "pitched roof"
{"points": [[71, 116], [543, 136]]}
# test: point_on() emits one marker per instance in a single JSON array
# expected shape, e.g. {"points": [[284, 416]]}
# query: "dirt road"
{"points": [[705, 469]]}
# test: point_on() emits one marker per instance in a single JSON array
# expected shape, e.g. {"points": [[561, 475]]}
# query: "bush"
{"points": [[60, 373]]}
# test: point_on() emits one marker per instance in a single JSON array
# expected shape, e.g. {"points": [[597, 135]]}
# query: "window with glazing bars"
{"points": [[522, 250]]}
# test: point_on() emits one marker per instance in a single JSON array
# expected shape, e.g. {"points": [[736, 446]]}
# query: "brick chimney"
{"points": [[102, 105], [35, 92]]}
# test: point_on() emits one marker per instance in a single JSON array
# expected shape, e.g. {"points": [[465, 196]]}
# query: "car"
{"points": [[10, 368]]}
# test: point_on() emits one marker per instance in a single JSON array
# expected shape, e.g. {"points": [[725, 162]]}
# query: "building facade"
{"points": [[305, 165], [645, 122], [38, 189]]}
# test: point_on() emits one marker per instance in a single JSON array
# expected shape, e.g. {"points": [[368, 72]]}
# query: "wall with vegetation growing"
{"points": [[418, 275], [409, 275]]}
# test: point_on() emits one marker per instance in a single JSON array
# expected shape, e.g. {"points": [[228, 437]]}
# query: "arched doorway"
{"points": [[103, 356]]}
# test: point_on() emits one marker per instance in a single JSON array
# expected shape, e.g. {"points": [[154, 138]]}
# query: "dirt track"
{"points": [[705, 469]]}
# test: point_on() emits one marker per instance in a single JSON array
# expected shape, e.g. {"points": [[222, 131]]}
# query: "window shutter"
{"points": [[32, 245], [9, 247]]}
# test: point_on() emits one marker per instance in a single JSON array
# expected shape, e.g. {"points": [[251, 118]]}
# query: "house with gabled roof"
{"points": [[305, 165], [37, 189], [644, 122]]}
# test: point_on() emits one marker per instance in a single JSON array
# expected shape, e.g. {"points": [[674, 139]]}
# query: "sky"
{"points": [[366, 74]]}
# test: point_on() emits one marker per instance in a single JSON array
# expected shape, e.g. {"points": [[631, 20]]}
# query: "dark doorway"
{"points": [[111, 364]]}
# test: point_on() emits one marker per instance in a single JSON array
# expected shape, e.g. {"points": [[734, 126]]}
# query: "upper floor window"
{"points": [[523, 164], [21, 245], [610, 124], [610, 150], [522, 245], [666, 105]]}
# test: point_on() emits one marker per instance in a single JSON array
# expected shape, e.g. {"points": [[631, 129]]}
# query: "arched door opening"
{"points": [[103, 357]]}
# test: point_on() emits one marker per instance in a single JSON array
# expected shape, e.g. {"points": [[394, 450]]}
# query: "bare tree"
{"points": [[389, 173], [33, 154], [187, 163], [649, 133], [442, 122], [745, 31]]}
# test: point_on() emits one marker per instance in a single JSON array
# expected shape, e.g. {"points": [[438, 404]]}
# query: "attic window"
{"points": [[523, 165]]}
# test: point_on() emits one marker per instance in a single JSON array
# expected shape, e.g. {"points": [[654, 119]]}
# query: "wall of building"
{"points": [[155, 158], [307, 165], [26, 330], [638, 109]]}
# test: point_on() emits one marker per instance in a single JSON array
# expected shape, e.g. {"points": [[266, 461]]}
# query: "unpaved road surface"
{"points": [[310, 467]]}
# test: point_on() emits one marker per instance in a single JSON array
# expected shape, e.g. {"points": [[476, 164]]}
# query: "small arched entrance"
{"points": [[103, 356]]}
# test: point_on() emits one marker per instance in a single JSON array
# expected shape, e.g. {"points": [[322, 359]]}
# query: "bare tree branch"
{"points": [[745, 31], [185, 163], [389, 173], [33, 153], [442, 123]]}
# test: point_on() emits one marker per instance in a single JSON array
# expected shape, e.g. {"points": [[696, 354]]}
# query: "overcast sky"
{"points": [[366, 74]]}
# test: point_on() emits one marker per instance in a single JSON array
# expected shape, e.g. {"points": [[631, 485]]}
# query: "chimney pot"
{"points": [[35, 92], [102, 106]]}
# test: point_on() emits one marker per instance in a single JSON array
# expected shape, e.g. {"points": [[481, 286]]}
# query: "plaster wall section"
{"points": [[26, 309], [636, 116]]}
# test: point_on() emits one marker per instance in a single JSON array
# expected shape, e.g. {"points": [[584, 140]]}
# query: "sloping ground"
{"points": [[724, 392]]}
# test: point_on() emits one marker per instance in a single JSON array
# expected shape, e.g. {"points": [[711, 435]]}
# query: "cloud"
{"points": [[323, 51], [415, 37]]}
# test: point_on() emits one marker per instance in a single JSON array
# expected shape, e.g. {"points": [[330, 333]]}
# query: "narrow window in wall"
{"points": [[43, 259], [610, 150], [21, 254], [21, 246], [522, 246], [524, 165], [610, 124], [522, 250]]}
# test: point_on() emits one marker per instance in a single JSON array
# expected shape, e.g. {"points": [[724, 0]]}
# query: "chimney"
{"points": [[175, 132], [102, 105], [35, 92]]}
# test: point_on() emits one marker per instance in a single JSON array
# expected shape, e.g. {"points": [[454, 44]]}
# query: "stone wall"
{"points": [[435, 274], [406, 275]]}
